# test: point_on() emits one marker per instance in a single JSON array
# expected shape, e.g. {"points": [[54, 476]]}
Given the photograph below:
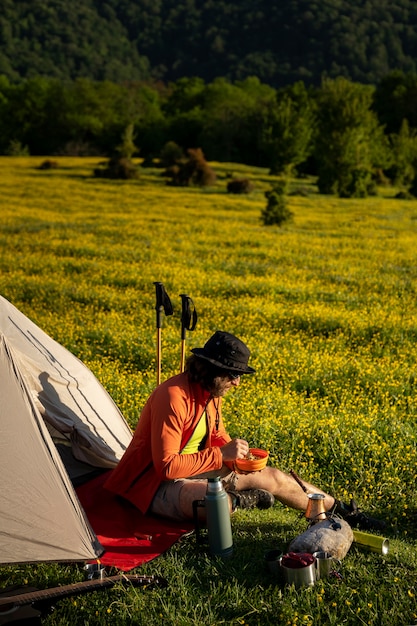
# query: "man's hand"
{"points": [[235, 449]]}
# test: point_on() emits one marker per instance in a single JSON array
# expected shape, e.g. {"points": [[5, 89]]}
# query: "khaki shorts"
{"points": [[166, 501]]}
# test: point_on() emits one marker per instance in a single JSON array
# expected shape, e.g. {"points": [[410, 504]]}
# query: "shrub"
{"points": [[171, 154], [118, 168], [48, 165], [16, 148], [240, 185], [192, 171], [276, 211], [356, 183], [347, 182]]}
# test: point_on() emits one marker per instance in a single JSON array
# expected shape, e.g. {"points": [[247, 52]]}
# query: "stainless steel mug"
{"points": [[301, 573], [324, 564], [273, 561]]}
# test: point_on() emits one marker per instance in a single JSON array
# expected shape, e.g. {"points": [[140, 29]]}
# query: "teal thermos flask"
{"points": [[218, 519]]}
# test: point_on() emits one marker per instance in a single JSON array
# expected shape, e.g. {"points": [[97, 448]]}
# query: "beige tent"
{"points": [[58, 426]]}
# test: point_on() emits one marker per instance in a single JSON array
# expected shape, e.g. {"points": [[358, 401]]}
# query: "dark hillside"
{"points": [[279, 42], [66, 40]]}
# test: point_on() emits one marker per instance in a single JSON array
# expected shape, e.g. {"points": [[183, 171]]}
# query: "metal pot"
{"points": [[315, 508]]}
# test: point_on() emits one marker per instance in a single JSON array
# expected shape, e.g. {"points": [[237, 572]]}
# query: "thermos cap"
{"points": [[214, 485]]}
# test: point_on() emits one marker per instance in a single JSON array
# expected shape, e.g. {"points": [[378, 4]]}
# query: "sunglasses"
{"points": [[233, 375]]}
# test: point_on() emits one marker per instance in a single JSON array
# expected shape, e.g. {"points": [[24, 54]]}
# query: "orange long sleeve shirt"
{"points": [[166, 424]]}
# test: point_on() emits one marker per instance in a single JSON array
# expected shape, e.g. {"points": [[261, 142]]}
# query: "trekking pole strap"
{"points": [[188, 315]]}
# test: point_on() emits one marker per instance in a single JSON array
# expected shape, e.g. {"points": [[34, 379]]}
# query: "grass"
{"points": [[326, 303]]}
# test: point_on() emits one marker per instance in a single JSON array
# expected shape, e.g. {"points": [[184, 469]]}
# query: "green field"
{"points": [[327, 305]]}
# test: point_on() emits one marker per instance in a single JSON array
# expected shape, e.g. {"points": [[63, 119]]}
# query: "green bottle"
{"points": [[218, 519]]}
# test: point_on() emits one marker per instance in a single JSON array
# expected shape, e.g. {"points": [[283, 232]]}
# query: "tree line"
{"points": [[351, 136], [280, 42]]}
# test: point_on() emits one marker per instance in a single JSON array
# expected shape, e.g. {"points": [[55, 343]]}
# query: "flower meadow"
{"points": [[326, 303]]}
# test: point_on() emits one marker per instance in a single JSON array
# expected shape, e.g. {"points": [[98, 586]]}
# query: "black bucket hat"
{"points": [[226, 352]]}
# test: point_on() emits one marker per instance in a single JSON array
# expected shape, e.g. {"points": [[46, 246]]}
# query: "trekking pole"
{"points": [[188, 322], [163, 303]]}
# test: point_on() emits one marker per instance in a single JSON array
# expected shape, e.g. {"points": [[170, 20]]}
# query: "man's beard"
{"points": [[219, 387]]}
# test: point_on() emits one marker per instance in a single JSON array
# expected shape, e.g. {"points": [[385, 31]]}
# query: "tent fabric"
{"points": [[128, 537], [66, 392], [40, 517], [49, 397]]}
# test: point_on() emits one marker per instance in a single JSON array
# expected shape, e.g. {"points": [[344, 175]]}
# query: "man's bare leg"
{"points": [[194, 490], [283, 487]]}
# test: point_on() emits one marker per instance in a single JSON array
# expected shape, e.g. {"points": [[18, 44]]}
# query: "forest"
{"points": [[306, 88], [279, 42], [351, 136]]}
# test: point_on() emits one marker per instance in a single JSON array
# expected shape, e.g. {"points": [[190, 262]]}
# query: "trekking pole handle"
{"points": [[163, 303]]}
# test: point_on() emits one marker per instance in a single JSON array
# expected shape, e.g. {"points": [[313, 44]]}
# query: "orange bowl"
{"points": [[253, 465]]}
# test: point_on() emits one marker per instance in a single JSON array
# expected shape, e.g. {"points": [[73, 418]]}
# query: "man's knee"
{"points": [[191, 490]]}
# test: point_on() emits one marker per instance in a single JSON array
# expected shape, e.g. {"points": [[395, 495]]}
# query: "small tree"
{"points": [[404, 150], [120, 165], [126, 149], [287, 130], [350, 143], [276, 211]]}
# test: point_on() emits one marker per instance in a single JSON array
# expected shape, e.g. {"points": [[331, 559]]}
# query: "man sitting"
{"points": [[180, 441]]}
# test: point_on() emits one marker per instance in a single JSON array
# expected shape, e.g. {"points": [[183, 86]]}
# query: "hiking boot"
{"points": [[363, 521], [251, 498], [358, 519]]}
